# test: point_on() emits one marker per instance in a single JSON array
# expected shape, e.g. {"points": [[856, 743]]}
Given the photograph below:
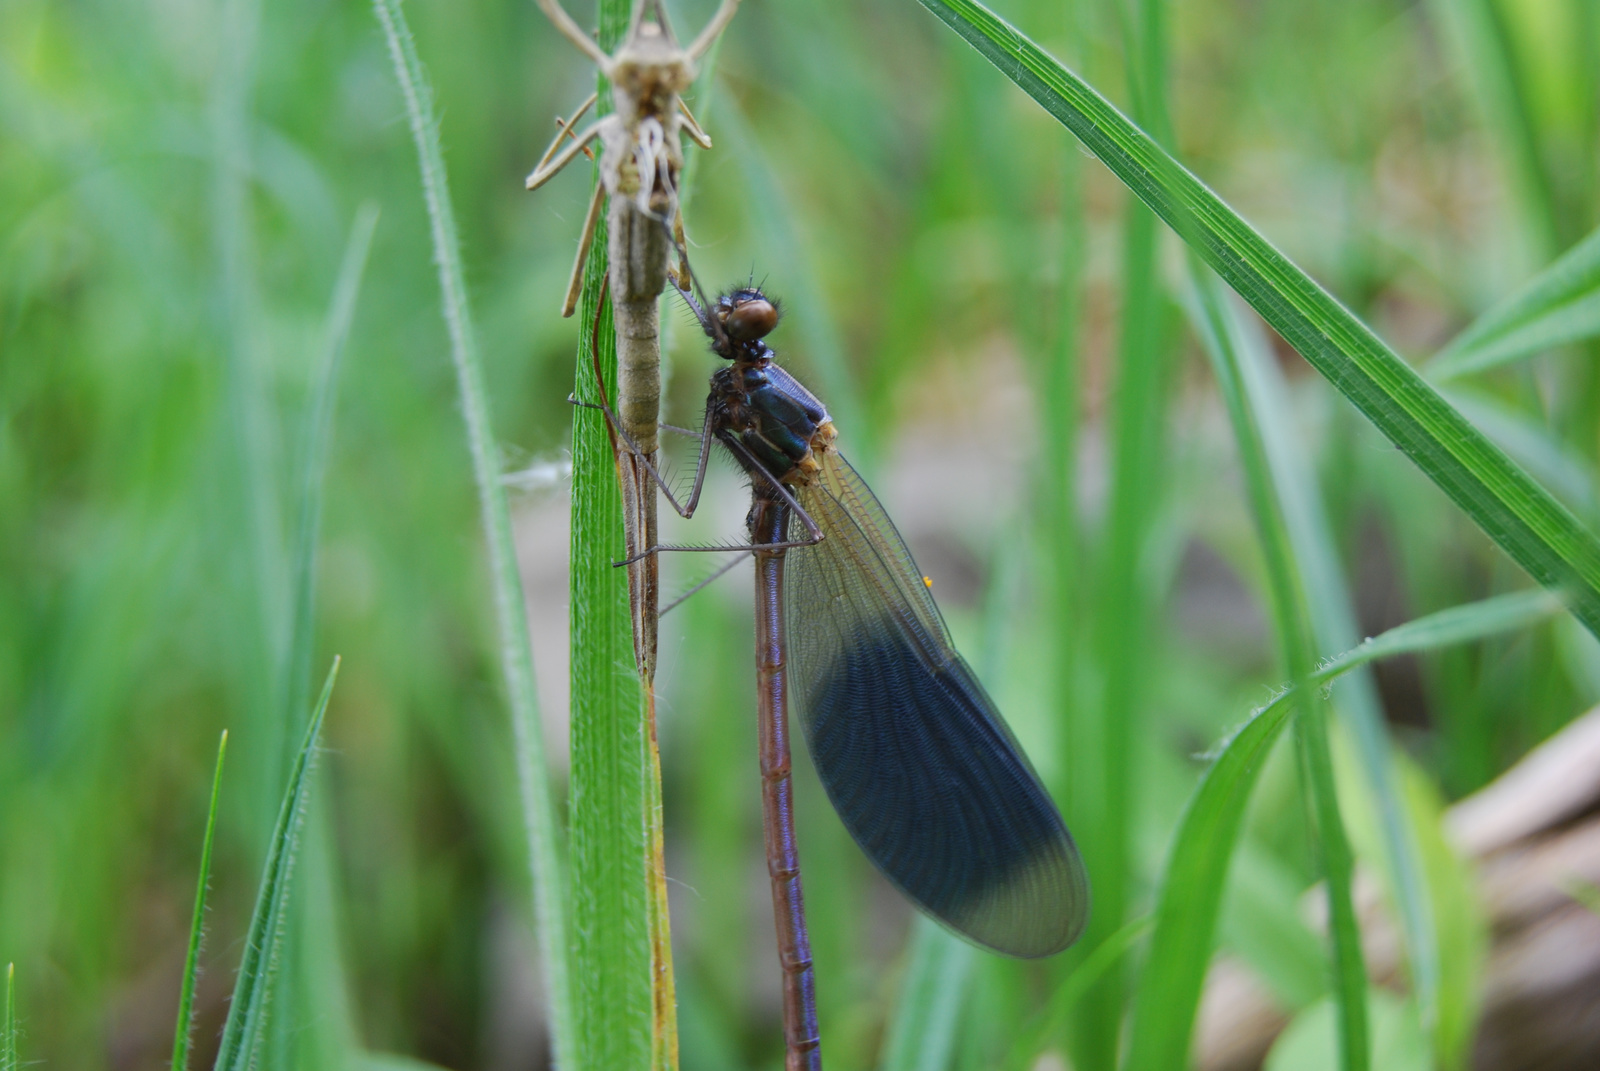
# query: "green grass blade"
{"points": [[1516, 512], [1489, 59], [246, 1027], [8, 1022], [1333, 626], [516, 652], [1190, 890], [191, 966], [922, 1030], [1458, 624], [1559, 305], [317, 440], [607, 791], [1223, 345], [1189, 894], [1064, 1001]]}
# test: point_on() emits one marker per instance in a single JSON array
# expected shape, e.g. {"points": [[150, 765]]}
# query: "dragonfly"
{"points": [[913, 753], [641, 167]]}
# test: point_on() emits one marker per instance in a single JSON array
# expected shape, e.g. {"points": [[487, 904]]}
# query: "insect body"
{"points": [[914, 756]]}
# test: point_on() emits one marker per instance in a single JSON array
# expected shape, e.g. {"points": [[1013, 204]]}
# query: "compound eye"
{"points": [[750, 320]]}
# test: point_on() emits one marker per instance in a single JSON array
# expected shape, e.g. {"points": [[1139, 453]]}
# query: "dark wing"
{"points": [[915, 757]]}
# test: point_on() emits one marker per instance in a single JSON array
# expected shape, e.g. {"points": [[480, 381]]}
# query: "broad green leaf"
{"points": [[246, 1028], [1559, 305], [191, 965], [516, 650], [1537, 532]]}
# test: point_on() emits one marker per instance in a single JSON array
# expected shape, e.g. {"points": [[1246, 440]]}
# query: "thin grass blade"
{"points": [[1332, 620], [1559, 305], [922, 1031], [1458, 624], [182, 1040], [246, 1028], [1537, 532], [516, 651], [1224, 345], [8, 1022], [317, 441], [1190, 890], [1064, 1001]]}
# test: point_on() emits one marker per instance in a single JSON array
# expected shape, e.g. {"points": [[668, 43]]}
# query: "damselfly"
{"points": [[914, 756]]}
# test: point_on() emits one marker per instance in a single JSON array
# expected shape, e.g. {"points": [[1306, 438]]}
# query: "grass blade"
{"points": [[1559, 305], [1489, 57], [1290, 614], [245, 1029], [1537, 532], [922, 1031], [516, 651], [1070, 992], [182, 1041], [1458, 624], [1190, 890], [8, 1022], [317, 441], [1332, 620]]}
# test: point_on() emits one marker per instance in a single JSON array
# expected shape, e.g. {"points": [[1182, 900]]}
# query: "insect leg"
{"points": [[615, 429], [813, 529], [590, 221], [714, 28], [566, 126], [569, 29], [722, 571], [544, 172], [688, 124]]}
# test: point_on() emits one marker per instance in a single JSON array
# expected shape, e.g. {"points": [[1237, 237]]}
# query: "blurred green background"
{"points": [[178, 179]]}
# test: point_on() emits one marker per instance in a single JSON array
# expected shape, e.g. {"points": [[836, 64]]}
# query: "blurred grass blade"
{"points": [[1189, 894], [245, 1029], [922, 1032], [516, 651], [1224, 345], [317, 440], [191, 966], [1489, 60], [1190, 890], [1559, 305], [1532, 527], [1061, 1004], [8, 1022], [388, 1061], [1333, 627], [1458, 624]]}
